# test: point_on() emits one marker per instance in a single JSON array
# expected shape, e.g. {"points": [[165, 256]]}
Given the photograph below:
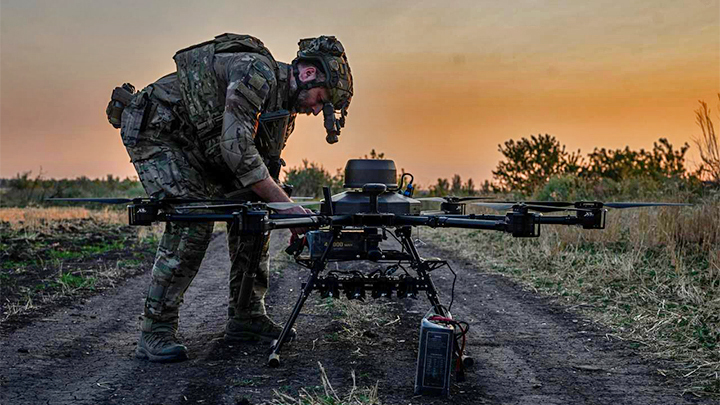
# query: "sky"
{"points": [[438, 85]]}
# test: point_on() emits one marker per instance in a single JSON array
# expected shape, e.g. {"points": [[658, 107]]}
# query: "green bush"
{"points": [[309, 179], [25, 189]]}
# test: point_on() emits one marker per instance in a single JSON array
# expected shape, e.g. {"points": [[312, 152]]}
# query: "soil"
{"points": [[66, 261], [527, 349]]}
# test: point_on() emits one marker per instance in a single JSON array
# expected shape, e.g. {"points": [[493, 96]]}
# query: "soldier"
{"points": [[215, 129]]}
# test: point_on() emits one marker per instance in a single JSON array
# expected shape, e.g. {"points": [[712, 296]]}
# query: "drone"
{"points": [[357, 225]]}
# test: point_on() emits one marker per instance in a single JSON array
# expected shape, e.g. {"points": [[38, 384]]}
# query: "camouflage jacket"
{"points": [[248, 86]]}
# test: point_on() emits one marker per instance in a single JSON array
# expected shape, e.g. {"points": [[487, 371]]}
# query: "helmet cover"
{"points": [[329, 54]]}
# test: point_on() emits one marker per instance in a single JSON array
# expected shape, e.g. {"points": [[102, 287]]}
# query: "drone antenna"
{"points": [[328, 200]]}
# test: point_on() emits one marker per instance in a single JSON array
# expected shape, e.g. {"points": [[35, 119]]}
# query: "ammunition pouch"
{"points": [[120, 98], [135, 116], [271, 137]]}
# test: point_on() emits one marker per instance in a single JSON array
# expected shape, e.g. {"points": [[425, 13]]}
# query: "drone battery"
{"points": [[317, 242], [434, 358], [346, 246]]}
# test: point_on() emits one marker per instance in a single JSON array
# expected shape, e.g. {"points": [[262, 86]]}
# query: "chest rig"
{"points": [[205, 103]]}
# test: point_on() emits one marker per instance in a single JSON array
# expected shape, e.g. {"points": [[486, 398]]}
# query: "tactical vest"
{"points": [[196, 73], [205, 105]]}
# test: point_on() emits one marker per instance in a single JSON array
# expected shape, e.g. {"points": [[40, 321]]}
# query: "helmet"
{"points": [[328, 53]]}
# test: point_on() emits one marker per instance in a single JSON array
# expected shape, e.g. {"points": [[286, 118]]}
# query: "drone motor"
{"points": [[142, 214]]}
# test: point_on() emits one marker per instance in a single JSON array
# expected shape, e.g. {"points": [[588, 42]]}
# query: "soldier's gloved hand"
{"points": [[296, 232]]}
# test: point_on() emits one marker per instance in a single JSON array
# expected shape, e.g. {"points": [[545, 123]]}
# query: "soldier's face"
{"points": [[311, 101]]}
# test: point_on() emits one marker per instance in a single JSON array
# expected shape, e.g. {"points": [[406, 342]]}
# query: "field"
{"points": [[55, 256], [634, 305], [653, 276]]}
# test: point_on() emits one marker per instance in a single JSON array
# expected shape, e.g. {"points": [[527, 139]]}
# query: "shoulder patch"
{"points": [[252, 96], [264, 69], [256, 81]]}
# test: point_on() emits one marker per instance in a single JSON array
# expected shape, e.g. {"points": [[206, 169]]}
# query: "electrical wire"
{"points": [[452, 291], [460, 329]]}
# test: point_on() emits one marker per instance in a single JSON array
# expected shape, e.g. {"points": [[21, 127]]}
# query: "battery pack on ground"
{"points": [[434, 358]]}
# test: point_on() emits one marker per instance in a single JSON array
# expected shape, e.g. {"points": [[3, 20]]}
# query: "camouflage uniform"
{"points": [[173, 158]]}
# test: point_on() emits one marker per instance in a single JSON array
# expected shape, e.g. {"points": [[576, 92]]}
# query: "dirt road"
{"points": [[527, 350]]}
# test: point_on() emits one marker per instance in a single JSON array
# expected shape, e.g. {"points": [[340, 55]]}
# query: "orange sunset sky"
{"points": [[438, 85]]}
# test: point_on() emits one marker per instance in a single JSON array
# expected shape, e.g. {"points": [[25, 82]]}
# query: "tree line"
{"points": [[539, 165]]}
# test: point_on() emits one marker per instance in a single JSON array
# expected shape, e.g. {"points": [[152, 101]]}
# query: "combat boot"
{"points": [[257, 328], [160, 347]]}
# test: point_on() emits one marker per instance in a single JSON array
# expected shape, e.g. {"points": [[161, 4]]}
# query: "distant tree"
{"points": [[487, 187], [663, 161], [309, 179], [529, 163], [469, 187], [441, 188], [375, 155], [456, 188]]}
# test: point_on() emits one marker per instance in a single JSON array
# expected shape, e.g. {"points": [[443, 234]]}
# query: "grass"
{"points": [[70, 282], [47, 254], [34, 220], [39, 219], [328, 395], [653, 275]]}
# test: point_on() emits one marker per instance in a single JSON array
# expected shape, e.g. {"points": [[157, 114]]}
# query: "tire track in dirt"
{"points": [[527, 349]]}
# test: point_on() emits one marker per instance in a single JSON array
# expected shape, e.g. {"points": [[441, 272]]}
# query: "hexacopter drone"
{"points": [[358, 224]]}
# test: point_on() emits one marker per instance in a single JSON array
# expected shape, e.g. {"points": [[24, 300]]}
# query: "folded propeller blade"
{"points": [[470, 198], [621, 205], [97, 200], [279, 206], [435, 199], [452, 199], [169, 200], [274, 206], [553, 206], [432, 213], [496, 205], [535, 207]]}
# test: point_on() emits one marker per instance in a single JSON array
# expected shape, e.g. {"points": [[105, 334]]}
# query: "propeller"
{"points": [[432, 213], [452, 199], [97, 200], [535, 207], [621, 205], [278, 206], [169, 200], [556, 206]]}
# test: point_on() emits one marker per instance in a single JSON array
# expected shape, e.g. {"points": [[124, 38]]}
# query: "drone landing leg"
{"points": [[422, 271], [274, 359]]}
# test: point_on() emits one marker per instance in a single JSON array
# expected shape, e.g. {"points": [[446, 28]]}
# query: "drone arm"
{"points": [[169, 217], [594, 219], [481, 216], [449, 222], [307, 222], [567, 220], [314, 221]]}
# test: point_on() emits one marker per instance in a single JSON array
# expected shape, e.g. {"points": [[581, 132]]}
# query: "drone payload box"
{"points": [[434, 358]]}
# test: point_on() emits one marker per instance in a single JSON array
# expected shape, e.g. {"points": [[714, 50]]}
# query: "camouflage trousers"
{"points": [[167, 168], [178, 258]]}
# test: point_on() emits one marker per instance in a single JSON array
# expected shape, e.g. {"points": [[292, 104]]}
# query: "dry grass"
{"points": [[38, 219], [653, 275], [32, 220], [329, 396], [50, 253]]}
